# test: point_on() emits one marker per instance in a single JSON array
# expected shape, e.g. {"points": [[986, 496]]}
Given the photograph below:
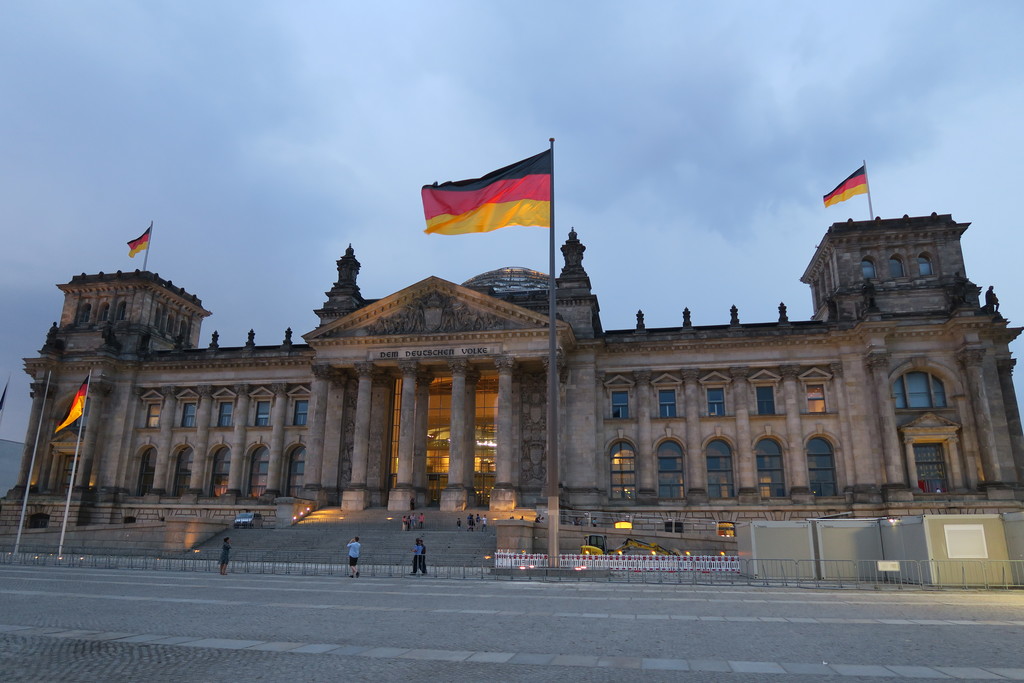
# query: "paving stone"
{"points": [[276, 646], [756, 667], [807, 669], [664, 664], [916, 671], [861, 670], [574, 660], [709, 665], [316, 648], [383, 652], [222, 643], [1012, 674], [438, 655], [491, 657], [530, 658], [620, 662], [969, 672]]}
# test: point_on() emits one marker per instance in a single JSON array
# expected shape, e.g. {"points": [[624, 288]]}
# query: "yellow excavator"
{"points": [[597, 544]]}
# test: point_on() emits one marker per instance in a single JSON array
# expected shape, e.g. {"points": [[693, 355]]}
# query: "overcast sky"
{"points": [[694, 142]]}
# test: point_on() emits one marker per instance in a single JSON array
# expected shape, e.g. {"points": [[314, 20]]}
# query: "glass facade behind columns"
{"points": [[438, 438]]}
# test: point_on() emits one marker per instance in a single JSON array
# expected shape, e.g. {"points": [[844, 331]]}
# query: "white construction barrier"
{"points": [[510, 559]]}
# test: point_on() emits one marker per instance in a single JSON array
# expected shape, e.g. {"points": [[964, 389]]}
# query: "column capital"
{"points": [[408, 367], [424, 377], [739, 374], [836, 368], [878, 360], [169, 391], [970, 358], [323, 371], [458, 366], [364, 369], [691, 374], [642, 376], [505, 364], [204, 390], [789, 371], [1006, 365], [279, 388]]}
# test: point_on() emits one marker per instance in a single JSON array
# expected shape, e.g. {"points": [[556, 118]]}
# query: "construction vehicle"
{"points": [[597, 544]]}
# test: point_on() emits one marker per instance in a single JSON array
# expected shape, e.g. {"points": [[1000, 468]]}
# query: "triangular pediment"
{"points": [[815, 375], [930, 421], [431, 306], [619, 381], [715, 377], [764, 377]]}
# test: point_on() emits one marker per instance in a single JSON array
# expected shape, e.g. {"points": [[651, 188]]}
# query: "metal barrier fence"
{"points": [[711, 571], [509, 559]]}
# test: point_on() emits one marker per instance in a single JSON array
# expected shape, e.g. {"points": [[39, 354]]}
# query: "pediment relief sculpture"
{"points": [[435, 313]]}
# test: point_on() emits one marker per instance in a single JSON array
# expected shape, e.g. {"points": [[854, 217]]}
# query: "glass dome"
{"points": [[510, 279]]}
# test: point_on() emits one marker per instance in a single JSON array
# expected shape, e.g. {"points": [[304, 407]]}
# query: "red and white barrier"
{"points": [[510, 559]]}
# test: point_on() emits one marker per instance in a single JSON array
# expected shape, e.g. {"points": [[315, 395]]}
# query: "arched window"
{"points": [[147, 470], [182, 472], [919, 390], [924, 265], [821, 467], [84, 314], [623, 471], [220, 471], [122, 310], [258, 471], [296, 471], [931, 467], [104, 313], [670, 470], [770, 478], [895, 266], [719, 461], [867, 269]]}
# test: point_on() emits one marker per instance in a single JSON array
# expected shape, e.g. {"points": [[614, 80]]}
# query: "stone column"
{"points": [[996, 474], [200, 462], [696, 463], [453, 497], [895, 487], [168, 411], [240, 416], [278, 415], [956, 471], [796, 459], [469, 464], [646, 465], [908, 454], [503, 495], [25, 477], [338, 410], [357, 496], [846, 472], [99, 391], [403, 494], [318, 394], [746, 464], [1004, 367], [419, 449]]}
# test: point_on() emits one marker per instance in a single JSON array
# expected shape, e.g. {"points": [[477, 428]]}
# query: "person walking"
{"points": [[469, 523], [225, 552], [419, 559], [422, 519], [354, 547], [483, 525]]}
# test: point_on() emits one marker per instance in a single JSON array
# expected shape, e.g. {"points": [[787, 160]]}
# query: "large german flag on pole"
{"points": [[519, 194], [77, 406], [856, 184]]}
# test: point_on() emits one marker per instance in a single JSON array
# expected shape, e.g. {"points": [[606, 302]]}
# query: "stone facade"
{"points": [[895, 397]]}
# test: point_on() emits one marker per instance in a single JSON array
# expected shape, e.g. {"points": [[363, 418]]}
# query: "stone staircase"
{"points": [[324, 534]]}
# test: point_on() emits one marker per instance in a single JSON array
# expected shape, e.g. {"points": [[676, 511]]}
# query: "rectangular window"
{"points": [[931, 467], [262, 414], [765, 400], [224, 411], [815, 398], [666, 403], [716, 401], [300, 412], [152, 415], [188, 415], [620, 404]]}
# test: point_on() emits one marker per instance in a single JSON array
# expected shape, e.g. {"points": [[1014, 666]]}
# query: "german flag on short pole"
{"points": [[856, 184], [140, 243], [77, 406], [519, 194]]}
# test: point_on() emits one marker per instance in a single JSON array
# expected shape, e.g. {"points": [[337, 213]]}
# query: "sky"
{"points": [[694, 142]]}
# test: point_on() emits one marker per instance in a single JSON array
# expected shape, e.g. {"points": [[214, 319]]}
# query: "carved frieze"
{"points": [[435, 313]]}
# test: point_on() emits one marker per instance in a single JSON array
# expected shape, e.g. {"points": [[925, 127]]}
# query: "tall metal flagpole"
{"points": [[74, 464], [867, 184], [554, 510], [32, 463], [149, 245]]}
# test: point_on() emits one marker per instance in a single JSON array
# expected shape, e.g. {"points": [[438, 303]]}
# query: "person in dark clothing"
{"points": [[419, 556], [225, 552]]}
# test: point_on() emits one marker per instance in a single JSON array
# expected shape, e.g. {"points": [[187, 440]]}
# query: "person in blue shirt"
{"points": [[353, 558], [419, 556]]}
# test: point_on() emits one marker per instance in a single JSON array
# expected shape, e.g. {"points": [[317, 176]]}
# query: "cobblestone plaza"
{"points": [[105, 625]]}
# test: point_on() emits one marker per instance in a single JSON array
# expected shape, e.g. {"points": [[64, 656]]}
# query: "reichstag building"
{"points": [[896, 397]]}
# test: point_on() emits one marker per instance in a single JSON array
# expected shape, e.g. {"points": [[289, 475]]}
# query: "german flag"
{"points": [[856, 184], [519, 194], [140, 243], [77, 406]]}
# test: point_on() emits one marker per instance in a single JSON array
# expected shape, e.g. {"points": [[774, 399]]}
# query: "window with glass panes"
{"points": [[623, 471], [219, 471], [670, 470], [224, 411], [259, 466], [182, 472], [931, 467], [765, 400], [296, 471], [620, 404], [919, 390], [147, 470], [153, 415], [770, 479], [666, 402], [716, 400], [815, 398], [821, 467], [719, 463], [299, 414], [188, 415], [262, 414]]}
